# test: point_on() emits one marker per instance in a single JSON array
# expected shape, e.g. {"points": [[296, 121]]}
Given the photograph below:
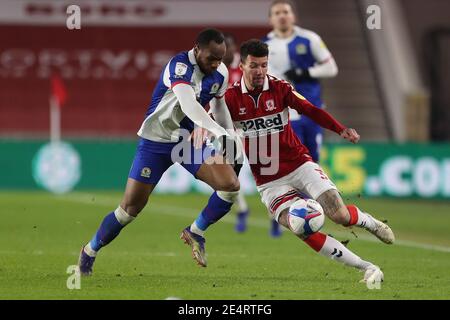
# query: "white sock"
{"points": [[335, 250], [242, 204], [89, 251], [122, 216], [195, 229], [363, 220]]}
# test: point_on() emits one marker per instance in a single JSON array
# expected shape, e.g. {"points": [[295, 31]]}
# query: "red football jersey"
{"points": [[263, 122]]}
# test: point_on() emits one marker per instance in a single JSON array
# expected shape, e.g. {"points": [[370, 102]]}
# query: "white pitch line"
{"points": [[254, 222]]}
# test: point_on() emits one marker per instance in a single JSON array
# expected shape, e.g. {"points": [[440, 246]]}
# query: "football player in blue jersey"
{"points": [[301, 57], [175, 128]]}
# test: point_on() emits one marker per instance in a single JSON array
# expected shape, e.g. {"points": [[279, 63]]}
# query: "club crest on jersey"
{"points": [[242, 111], [215, 87], [300, 49], [145, 172], [270, 105], [180, 69]]}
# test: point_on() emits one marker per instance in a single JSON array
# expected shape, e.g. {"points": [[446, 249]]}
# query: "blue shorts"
{"points": [[310, 134], [152, 159]]}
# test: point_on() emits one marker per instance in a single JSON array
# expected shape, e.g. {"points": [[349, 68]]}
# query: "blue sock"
{"points": [[214, 211], [109, 229]]}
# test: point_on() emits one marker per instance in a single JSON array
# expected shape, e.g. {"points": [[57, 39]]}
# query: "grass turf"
{"points": [[41, 235]]}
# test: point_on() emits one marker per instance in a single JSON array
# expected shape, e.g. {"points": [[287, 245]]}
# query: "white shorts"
{"points": [[308, 180]]}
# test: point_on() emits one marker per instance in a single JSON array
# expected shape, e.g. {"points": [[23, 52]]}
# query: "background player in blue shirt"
{"points": [[301, 57], [174, 130]]}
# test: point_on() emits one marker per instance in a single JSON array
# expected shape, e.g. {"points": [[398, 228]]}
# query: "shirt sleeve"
{"points": [[194, 111], [179, 71], [221, 92], [221, 113], [296, 101], [318, 49]]}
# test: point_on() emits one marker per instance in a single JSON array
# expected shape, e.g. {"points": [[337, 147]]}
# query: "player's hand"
{"points": [[199, 136], [297, 74], [350, 135], [229, 149]]}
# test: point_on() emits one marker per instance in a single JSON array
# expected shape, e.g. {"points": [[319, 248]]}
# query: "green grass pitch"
{"points": [[41, 235]]}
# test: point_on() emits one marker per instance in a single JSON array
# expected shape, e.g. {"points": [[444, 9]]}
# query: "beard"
{"points": [[258, 84]]}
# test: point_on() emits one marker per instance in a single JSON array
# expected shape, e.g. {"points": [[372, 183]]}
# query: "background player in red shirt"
{"points": [[258, 106], [232, 59]]}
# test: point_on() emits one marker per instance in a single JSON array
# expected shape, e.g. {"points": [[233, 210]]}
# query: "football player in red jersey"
{"points": [[281, 164]]}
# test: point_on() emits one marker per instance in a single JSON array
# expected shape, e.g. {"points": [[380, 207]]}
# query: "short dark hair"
{"points": [[255, 48], [208, 35], [275, 2]]}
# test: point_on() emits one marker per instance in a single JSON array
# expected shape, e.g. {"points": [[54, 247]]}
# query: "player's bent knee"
{"points": [[132, 209], [122, 216], [229, 196], [230, 185], [235, 186]]}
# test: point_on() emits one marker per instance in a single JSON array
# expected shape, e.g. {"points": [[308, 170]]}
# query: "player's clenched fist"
{"points": [[350, 134]]}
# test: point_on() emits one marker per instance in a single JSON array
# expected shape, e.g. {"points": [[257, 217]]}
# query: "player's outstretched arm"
{"points": [[194, 111], [326, 120], [221, 113], [321, 117]]}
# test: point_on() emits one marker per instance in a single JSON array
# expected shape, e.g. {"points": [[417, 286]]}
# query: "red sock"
{"points": [[353, 210], [316, 240]]}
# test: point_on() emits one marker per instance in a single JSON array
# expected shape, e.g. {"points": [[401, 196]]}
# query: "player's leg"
{"points": [[223, 179], [279, 196], [145, 173], [333, 249], [351, 215], [315, 183], [300, 130], [243, 212]]}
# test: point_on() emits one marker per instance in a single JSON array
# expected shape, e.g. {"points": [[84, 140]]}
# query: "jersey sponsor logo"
{"points": [[270, 105], [263, 125], [145, 172], [301, 49], [180, 69], [215, 87], [242, 111]]}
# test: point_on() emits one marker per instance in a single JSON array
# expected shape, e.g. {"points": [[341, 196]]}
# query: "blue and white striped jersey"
{"points": [[164, 115]]}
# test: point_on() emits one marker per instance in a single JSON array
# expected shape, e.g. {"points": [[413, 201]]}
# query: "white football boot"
{"points": [[373, 275], [381, 230]]}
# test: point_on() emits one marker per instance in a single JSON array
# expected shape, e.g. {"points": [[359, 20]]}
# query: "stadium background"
{"points": [[392, 87]]}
